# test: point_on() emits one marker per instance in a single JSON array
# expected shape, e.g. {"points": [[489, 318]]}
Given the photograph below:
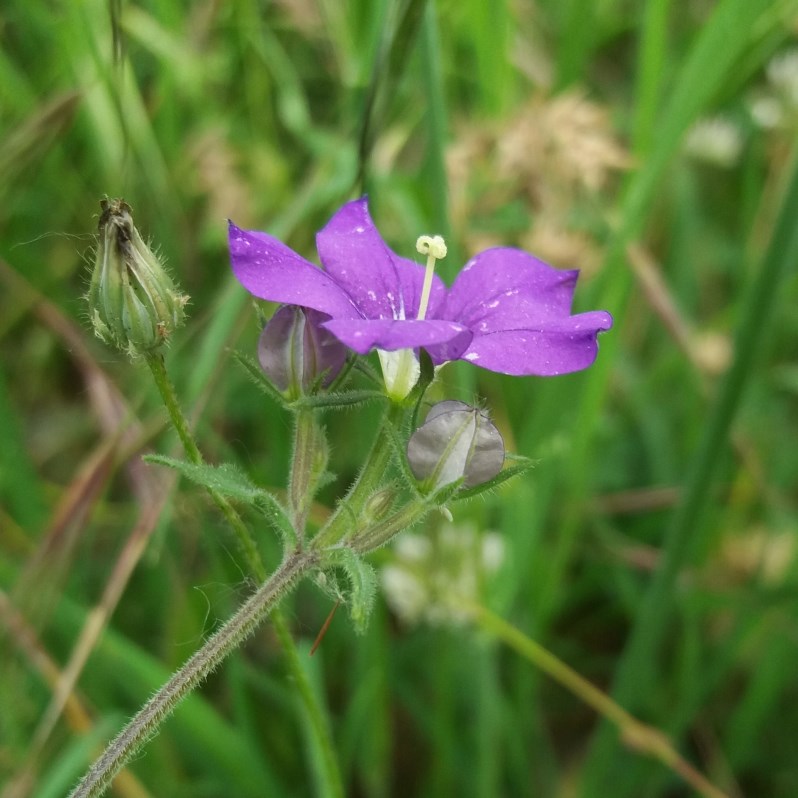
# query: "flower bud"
{"points": [[455, 442], [378, 505], [294, 350], [133, 303]]}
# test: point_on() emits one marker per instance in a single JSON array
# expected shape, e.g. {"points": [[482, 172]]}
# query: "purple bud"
{"points": [[294, 350], [455, 442]]}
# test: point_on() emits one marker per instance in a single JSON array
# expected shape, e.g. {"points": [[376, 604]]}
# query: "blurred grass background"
{"points": [[652, 145]]}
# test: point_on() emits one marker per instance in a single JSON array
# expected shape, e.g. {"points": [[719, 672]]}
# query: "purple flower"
{"points": [[506, 311]]}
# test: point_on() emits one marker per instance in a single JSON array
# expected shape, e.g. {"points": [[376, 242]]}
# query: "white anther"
{"points": [[431, 245]]}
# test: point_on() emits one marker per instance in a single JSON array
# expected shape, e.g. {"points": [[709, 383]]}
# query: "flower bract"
{"points": [[506, 311]]}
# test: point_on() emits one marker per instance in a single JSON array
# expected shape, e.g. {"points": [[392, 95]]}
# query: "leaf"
{"points": [[343, 400], [230, 481], [401, 32], [362, 580], [523, 466]]}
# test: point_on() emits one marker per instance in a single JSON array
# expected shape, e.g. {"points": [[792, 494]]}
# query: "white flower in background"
{"points": [[432, 579], [782, 73], [767, 112], [717, 141], [777, 105]]}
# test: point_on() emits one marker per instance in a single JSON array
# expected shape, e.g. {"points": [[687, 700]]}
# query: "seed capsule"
{"points": [[456, 441]]}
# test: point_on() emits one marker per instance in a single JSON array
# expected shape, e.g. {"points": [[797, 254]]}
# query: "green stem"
{"points": [[157, 366], [253, 558], [635, 734], [245, 541], [149, 719], [318, 718], [373, 473], [379, 534], [307, 468]]}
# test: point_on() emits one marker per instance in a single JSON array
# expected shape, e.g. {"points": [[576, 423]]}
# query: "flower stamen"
{"points": [[434, 247]]}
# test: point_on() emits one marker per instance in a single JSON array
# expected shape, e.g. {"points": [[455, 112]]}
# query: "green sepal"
{"points": [[368, 371], [425, 379], [524, 465], [399, 446], [228, 480], [362, 584], [445, 494], [343, 374]]}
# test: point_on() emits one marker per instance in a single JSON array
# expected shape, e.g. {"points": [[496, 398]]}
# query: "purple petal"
{"points": [[269, 269], [363, 335], [508, 289], [555, 347], [382, 284]]}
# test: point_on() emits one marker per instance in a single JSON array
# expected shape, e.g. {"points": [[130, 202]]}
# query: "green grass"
{"points": [[653, 546]]}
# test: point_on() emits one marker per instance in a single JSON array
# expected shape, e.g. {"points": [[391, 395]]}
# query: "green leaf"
{"points": [[362, 579], [343, 400], [402, 29], [524, 465], [228, 480]]}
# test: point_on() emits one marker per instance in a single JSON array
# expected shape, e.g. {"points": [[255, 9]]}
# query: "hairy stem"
{"points": [[167, 391], [371, 475], [316, 716], [308, 466], [147, 721], [250, 551]]}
